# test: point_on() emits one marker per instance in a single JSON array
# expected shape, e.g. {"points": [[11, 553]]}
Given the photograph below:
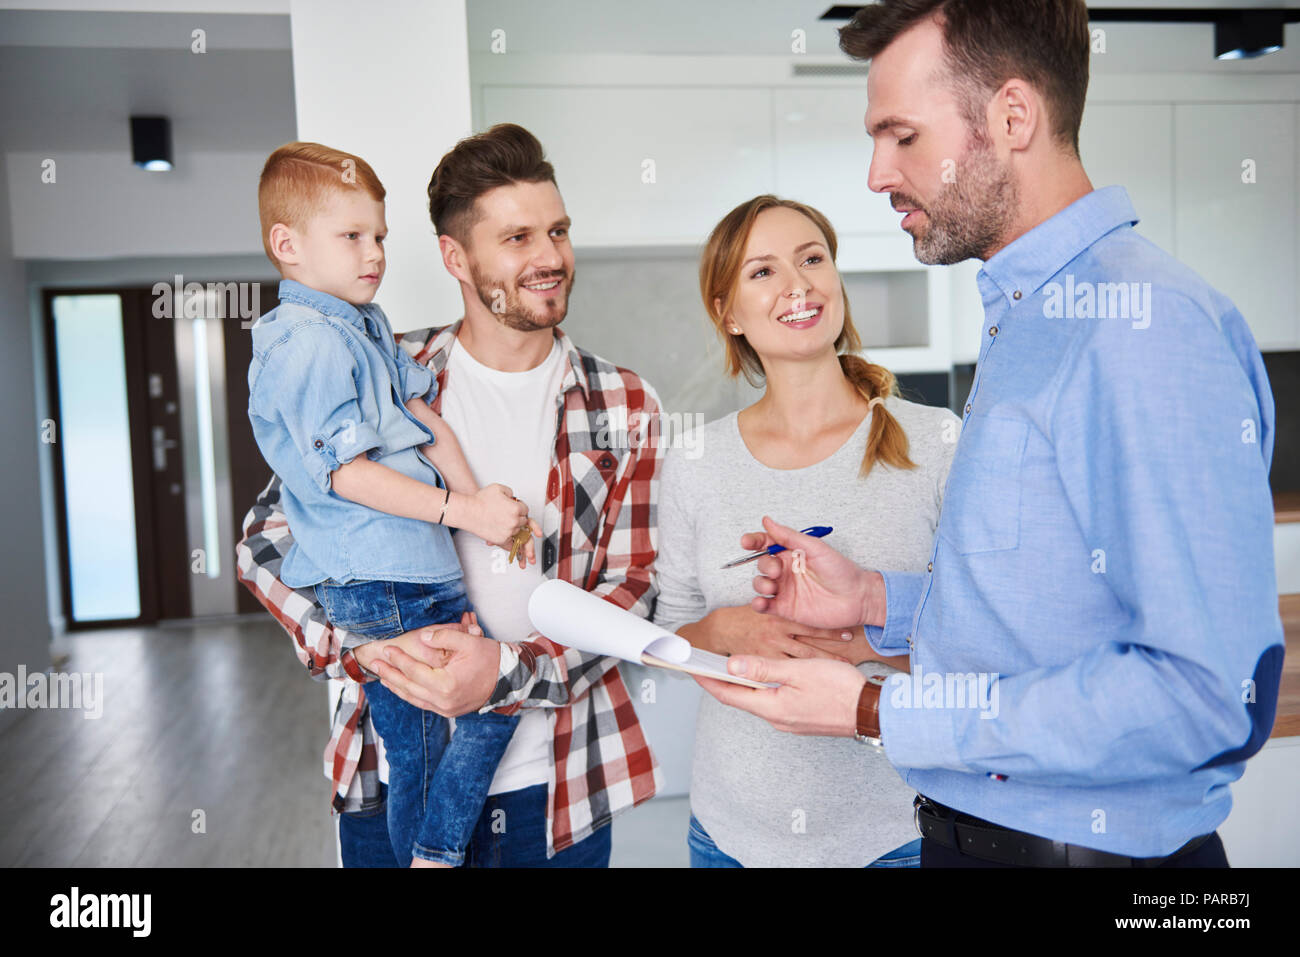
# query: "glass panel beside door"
{"points": [[93, 443], [142, 458]]}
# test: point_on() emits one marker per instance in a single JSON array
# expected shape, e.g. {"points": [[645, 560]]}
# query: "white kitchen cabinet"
{"points": [[645, 165], [1241, 236], [1131, 145], [823, 154]]}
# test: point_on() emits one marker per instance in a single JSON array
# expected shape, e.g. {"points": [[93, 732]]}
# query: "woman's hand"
{"points": [[856, 651], [740, 630]]}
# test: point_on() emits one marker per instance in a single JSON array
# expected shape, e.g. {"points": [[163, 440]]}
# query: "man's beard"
{"points": [[504, 300], [970, 215]]}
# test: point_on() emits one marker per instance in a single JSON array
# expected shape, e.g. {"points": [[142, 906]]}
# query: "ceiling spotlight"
{"points": [[1248, 35], [151, 142]]}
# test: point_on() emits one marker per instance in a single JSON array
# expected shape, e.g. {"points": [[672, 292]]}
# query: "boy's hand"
{"points": [[495, 515], [527, 552]]}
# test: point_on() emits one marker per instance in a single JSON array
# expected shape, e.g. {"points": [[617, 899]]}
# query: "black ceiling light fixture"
{"points": [[151, 143], [1249, 35], [1239, 33]]}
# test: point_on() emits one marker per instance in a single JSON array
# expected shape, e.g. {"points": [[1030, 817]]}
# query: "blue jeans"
{"points": [[511, 832], [436, 786], [363, 836], [704, 853]]}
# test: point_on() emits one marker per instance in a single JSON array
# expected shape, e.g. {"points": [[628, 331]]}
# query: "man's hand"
{"points": [[815, 697], [445, 669], [410, 642], [828, 591], [739, 630]]}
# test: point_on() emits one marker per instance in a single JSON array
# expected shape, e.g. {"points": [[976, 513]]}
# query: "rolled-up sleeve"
{"points": [[309, 386], [902, 595], [414, 380]]}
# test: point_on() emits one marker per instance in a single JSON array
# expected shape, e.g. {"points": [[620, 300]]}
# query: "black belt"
{"points": [[986, 841]]}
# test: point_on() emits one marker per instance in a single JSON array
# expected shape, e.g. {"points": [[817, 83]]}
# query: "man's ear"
{"points": [[284, 244], [454, 258], [1017, 112]]}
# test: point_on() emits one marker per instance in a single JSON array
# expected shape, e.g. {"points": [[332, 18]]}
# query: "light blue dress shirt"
{"points": [[327, 383], [1105, 551]]}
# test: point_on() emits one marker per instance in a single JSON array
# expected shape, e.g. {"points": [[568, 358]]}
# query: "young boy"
{"points": [[373, 479]]}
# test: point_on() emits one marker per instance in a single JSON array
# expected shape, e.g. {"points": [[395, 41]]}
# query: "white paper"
{"points": [[570, 616], [708, 665], [567, 614]]}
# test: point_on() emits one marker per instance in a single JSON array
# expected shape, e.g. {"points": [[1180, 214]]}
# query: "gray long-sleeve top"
{"points": [[768, 798]]}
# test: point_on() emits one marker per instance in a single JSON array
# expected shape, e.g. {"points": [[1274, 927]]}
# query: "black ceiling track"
{"points": [[1133, 14]]}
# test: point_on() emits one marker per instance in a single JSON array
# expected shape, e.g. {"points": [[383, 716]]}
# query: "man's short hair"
{"points": [[297, 179], [1044, 42], [501, 156]]}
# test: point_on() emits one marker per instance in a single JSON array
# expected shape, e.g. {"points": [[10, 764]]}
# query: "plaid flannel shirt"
{"points": [[598, 533]]}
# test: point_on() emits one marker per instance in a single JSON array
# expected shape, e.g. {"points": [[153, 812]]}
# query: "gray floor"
{"points": [[214, 718]]}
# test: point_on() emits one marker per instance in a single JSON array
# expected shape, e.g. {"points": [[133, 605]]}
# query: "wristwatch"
{"points": [[868, 727]]}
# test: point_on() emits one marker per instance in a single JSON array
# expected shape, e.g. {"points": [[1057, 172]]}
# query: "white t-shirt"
{"points": [[505, 422]]}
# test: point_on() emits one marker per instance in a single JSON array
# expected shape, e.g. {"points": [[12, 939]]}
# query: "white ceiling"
{"points": [[69, 81], [70, 77], [142, 30]]}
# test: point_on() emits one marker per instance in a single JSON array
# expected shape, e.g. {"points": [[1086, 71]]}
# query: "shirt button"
{"points": [[548, 555], [909, 641], [968, 408], [1016, 294], [993, 330], [319, 444], [930, 567]]}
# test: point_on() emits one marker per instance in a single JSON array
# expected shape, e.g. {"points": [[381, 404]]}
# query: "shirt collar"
{"points": [[1029, 261], [439, 348], [360, 316]]}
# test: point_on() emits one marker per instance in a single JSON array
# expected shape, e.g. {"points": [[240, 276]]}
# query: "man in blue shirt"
{"points": [[1095, 647]]}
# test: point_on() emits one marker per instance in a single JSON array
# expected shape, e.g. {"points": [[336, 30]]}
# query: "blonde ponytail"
{"points": [[887, 442]]}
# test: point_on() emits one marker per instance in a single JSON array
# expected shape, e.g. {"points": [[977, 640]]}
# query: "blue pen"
{"points": [[816, 531]]}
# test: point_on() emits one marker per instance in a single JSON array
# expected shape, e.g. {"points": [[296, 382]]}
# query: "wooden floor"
{"points": [[218, 718]]}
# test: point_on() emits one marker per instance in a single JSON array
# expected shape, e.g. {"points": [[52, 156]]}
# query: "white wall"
{"points": [[1262, 829], [390, 82], [100, 205], [25, 637]]}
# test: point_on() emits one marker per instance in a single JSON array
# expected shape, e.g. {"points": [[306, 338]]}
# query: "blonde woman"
{"points": [[829, 443]]}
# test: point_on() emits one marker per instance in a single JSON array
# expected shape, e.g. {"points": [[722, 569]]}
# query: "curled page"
{"points": [[579, 619], [570, 616]]}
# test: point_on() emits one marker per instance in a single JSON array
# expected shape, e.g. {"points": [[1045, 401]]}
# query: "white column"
{"points": [[388, 80]]}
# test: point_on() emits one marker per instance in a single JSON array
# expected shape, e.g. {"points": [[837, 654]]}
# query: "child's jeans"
{"points": [[436, 787]]}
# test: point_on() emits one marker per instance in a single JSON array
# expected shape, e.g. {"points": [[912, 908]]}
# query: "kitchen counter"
{"points": [[1287, 722]]}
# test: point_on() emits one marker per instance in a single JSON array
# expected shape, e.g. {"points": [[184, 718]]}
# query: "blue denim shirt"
{"points": [[1105, 550], [327, 383]]}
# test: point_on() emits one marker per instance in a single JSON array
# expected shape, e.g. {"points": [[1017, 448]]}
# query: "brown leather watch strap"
{"points": [[869, 711]]}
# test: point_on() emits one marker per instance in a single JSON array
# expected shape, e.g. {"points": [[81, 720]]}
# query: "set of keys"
{"points": [[518, 542]]}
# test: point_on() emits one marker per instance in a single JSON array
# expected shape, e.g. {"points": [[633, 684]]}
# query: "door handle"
{"points": [[160, 446]]}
